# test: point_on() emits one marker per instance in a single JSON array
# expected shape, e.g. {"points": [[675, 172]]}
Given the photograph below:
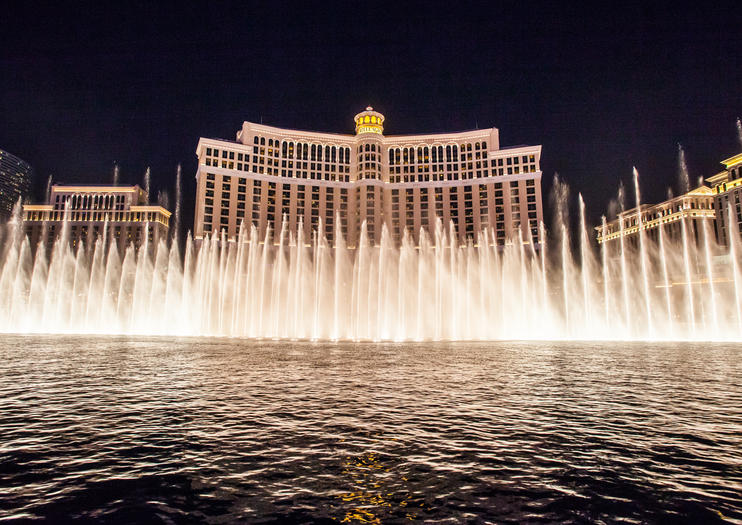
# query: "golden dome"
{"points": [[369, 121]]}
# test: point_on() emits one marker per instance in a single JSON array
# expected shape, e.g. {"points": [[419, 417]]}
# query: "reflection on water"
{"points": [[194, 430]]}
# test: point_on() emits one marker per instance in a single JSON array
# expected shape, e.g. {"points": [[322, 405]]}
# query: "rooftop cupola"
{"points": [[369, 121]]}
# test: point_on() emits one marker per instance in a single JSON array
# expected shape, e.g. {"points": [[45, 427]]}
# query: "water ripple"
{"points": [[195, 430]]}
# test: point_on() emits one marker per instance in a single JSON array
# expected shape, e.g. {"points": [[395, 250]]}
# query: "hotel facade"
{"points": [[727, 191], [709, 205], [691, 211], [333, 183], [116, 213]]}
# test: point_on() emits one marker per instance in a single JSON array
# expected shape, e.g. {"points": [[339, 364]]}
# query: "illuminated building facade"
{"points": [[15, 181], [274, 178], [727, 191], [87, 213], [693, 208]]}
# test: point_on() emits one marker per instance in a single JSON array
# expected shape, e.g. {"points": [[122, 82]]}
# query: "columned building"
{"points": [[274, 178], [15, 181], [692, 209], [87, 213], [727, 191]]}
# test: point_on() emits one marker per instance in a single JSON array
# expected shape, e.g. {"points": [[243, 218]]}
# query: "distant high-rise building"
{"points": [[280, 178], [86, 213], [15, 181]]}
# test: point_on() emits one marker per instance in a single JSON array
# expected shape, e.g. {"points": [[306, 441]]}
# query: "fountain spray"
{"points": [[683, 178], [48, 188], [115, 174], [178, 196], [146, 183], [643, 255], [739, 131]]}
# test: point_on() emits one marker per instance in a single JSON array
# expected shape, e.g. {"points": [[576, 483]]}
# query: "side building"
{"points": [[88, 213], [15, 181], [275, 178], [727, 190], [695, 209]]}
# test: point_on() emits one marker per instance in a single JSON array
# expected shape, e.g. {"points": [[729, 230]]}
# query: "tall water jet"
{"points": [[559, 197], [163, 199], [48, 188], [739, 131], [178, 199], [147, 174], [604, 260], [710, 275], [623, 259], [115, 174], [643, 255], [665, 277], [587, 278], [691, 307], [683, 177]]}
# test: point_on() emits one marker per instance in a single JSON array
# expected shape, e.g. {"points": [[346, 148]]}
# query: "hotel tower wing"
{"points": [[332, 183]]}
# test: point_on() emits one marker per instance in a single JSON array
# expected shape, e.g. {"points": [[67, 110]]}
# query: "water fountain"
{"points": [[178, 199], [683, 176], [147, 176], [48, 188], [287, 286]]}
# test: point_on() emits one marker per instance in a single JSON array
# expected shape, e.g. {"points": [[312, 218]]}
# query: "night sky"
{"points": [[602, 90]]}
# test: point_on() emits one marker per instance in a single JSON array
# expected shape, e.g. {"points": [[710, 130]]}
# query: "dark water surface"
{"points": [[177, 431]]}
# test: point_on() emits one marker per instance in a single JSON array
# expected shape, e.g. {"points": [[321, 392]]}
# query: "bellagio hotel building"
{"points": [[270, 175]]}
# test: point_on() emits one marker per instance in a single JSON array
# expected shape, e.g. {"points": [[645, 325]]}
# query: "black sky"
{"points": [[603, 89]]}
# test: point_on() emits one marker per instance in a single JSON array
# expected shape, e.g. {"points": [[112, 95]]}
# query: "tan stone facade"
{"points": [[270, 175], [119, 213], [692, 209], [727, 189]]}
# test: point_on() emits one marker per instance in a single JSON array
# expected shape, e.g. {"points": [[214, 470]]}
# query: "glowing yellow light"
{"points": [[373, 119], [366, 119]]}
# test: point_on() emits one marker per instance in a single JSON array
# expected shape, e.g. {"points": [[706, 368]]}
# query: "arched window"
{"points": [[262, 141], [448, 153], [484, 145], [255, 139]]}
